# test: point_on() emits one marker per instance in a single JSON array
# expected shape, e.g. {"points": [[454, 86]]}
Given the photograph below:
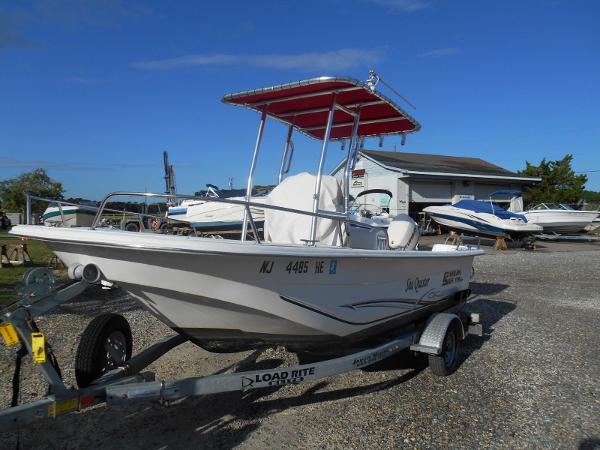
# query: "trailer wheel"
{"points": [[446, 362], [105, 344]]}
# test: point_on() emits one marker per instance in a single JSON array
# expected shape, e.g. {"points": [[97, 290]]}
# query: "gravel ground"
{"points": [[532, 381]]}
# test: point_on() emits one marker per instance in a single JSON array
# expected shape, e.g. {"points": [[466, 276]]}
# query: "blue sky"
{"points": [[95, 90]]}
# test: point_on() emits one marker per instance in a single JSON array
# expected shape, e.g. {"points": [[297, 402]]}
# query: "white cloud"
{"points": [[441, 52], [342, 59], [404, 5]]}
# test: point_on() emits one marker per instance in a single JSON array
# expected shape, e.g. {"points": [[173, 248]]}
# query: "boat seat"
{"points": [[296, 192]]}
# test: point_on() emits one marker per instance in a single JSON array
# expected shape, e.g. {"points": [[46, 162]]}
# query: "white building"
{"points": [[418, 180]]}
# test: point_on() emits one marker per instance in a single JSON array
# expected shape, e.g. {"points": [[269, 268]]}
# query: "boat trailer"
{"points": [[121, 381], [581, 237]]}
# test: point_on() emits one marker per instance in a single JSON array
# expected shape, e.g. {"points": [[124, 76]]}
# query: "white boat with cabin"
{"points": [[484, 218], [69, 216], [560, 218], [206, 216]]}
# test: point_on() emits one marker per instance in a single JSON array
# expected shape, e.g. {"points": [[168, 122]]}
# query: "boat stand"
{"points": [[39, 294]]}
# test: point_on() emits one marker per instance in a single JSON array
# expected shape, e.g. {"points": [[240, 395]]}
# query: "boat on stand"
{"points": [[560, 218], [485, 219], [69, 215], [210, 217]]}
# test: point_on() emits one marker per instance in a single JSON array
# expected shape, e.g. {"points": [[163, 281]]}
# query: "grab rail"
{"points": [[332, 215], [30, 197]]}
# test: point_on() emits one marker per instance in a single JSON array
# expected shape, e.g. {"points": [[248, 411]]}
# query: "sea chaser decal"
{"points": [[416, 284], [277, 378], [451, 277]]}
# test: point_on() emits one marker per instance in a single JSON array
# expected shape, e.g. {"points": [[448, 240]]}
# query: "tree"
{"points": [[559, 182], [592, 198], [37, 182]]}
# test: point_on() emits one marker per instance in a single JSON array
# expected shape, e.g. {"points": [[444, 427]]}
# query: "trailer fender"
{"points": [[433, 335]]}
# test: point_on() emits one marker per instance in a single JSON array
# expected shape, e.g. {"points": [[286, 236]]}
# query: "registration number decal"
{"points": [[300, 267], [297, 267]]}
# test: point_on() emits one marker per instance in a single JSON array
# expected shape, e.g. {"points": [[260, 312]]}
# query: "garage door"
{"points": [[423, 192]]}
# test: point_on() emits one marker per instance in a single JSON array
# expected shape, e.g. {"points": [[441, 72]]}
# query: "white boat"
{"points": [[306, 285], [69, 216], [560, 218], [483, 218], [206, 216]]}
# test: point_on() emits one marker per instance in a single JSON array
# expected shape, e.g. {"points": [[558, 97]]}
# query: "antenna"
{"points": [[169, 176], [166, 170], [374, 79]]}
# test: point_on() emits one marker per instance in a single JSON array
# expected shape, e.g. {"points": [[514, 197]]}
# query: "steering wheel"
{"points": [[355, 208]]}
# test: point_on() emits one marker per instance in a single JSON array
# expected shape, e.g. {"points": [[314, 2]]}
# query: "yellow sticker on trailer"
{"points": [[63, 407], [8, 332], [38, 347]]}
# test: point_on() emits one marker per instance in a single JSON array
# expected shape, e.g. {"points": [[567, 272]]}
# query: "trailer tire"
{"points": [[447, 361], [105, 344]]}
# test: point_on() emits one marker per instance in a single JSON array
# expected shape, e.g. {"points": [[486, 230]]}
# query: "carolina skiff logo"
{"points": [[416, 284], [276, 378], [453, 276]]}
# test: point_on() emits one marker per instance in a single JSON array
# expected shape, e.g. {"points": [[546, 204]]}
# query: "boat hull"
{"points": [[207, 216], [485, 225], [231, 225], [219, 290], [73, 216], [562, 221]]}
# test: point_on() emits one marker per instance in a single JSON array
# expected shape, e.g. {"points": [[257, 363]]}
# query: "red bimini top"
{"points": [[305, 105]]}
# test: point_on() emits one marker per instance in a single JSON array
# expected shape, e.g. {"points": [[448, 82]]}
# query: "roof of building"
{"points": [[440, 164]]}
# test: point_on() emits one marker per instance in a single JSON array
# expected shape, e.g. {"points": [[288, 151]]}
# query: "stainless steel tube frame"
{"points": [[288, 154], [317, 193], [261, 128], [350, 161]]}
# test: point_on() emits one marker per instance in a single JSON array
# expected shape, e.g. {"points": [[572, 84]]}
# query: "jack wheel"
{"points": [[105, 344], [446, 362]]}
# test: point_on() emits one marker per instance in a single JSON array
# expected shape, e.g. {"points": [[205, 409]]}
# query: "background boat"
{"points": [[560, 218]]}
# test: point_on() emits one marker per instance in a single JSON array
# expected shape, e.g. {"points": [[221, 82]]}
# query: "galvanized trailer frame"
{"points": [[580, 237], [40, 294]]}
